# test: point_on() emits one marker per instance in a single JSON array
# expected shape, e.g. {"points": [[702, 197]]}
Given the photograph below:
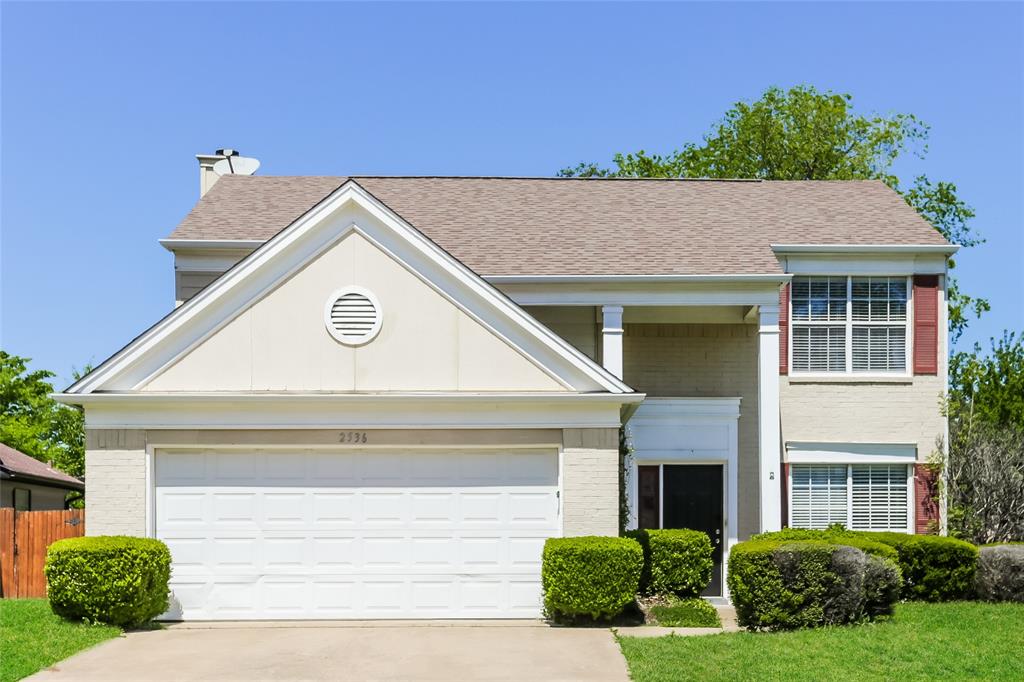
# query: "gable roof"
{"points": [[16, 464], [291, 248], [569, 226]]}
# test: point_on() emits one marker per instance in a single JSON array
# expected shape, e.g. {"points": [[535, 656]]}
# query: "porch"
{"points": [[705, 444]]}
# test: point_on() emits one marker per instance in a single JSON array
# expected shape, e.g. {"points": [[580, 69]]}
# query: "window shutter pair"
{"points": [[926, 325]]}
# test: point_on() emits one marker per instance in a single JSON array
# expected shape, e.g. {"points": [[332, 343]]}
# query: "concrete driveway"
{"points": [[489, 650]]}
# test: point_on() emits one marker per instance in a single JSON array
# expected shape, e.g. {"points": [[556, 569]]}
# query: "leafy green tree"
{"points": [[989, 388], [33, 422], [804, 134]]}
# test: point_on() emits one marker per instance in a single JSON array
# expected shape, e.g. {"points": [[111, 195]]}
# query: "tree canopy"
{"points": [[806, 134], [33, 422], [989, 388]]}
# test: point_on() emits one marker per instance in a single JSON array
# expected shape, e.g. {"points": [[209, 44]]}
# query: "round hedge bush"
{"points": [[592, 576], [1000, 574], [108, 579]]}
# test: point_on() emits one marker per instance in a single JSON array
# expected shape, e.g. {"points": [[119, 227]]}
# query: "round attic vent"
{"points": [[352, 316]]}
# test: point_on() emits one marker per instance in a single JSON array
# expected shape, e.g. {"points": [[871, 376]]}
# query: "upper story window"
{"points": [[849, 324]]}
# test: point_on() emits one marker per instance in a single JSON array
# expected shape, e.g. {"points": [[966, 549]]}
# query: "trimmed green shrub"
{"points": [[108, 579], [934, 568], [593, 576], [834, 535], [676, 561], [883, 582], [691, 612], [1000, 575], [783, 584]]}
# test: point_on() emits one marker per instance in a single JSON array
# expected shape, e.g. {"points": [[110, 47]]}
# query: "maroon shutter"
{"points": [[649, 488], [784, 329], [926, 505], [926, 324]]}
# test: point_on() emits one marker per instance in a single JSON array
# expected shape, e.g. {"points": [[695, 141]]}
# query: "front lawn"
{"points": [[958, 640], [32, 637]]}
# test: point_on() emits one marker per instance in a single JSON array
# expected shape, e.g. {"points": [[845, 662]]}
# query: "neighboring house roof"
{"points": [[16, 465], [565, 226]]}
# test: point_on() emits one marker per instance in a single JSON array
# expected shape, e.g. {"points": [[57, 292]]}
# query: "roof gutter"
{"points": [[349, 398], [9, 475], [211, 244], [876, 249], [624, 279]]}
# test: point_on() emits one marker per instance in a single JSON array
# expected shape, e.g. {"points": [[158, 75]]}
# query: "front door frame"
{"points": [[688, 431]]}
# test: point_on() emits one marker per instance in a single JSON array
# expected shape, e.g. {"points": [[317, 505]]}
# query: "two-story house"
{"points": [[378, 396]]}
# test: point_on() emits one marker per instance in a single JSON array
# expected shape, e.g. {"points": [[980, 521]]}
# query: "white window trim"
{"points": [[907, 372], [911, 502]]}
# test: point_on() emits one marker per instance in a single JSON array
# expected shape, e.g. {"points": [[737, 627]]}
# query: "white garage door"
{"points": [[313, 534]]}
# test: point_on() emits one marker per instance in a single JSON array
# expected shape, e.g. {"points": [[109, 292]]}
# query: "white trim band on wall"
{"points": [[851, 453]]}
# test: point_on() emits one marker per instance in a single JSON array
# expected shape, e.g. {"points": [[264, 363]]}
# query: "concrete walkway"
{"points": [[434, 650]]}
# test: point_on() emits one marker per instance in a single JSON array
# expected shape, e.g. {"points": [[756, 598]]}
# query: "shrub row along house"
{"points": [[379, 396]]}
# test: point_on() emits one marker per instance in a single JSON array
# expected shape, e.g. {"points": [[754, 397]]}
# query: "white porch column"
{"points": [[611, 331], [768, 418]]}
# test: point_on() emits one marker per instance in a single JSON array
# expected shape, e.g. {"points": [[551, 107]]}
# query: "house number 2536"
{"points": [[352, 437]]}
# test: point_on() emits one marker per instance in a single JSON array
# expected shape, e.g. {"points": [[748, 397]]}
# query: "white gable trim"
{"points": [[286, 252], [353, 411]]}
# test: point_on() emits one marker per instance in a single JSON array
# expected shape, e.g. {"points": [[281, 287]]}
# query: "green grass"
{"points": [[953, 641], [687, 613], [32, 637]]}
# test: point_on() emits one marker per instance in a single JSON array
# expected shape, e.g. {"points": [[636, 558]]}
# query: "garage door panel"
{"points": [[184, 468], [334, 598], [335, 508], [333, 553], [282, 508], [383, 508], [438, 508], [338, 535]]}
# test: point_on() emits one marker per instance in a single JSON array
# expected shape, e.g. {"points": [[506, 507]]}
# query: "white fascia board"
{"points": [[892, 264], [779, 278], [351, 411], [648, 293], [211, 244], [292, 248], [872, 249]]}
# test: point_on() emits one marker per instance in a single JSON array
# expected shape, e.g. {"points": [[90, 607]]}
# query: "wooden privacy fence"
{"points": [[24, 537]]}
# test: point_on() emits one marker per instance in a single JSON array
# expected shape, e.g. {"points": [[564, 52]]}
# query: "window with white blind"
{"points": [[859, 496], [849, 324]]}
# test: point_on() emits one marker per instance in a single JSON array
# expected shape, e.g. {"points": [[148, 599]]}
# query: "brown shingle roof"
{"points": [[17, 464], [524, 226]]}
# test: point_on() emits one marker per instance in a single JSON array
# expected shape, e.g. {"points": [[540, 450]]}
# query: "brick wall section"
{"points": [[590, 482], [115, 472], [704, 360], [864, 412], [926, 505]]}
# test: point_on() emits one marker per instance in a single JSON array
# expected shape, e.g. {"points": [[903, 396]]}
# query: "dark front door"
{"points": [[692, 498]]}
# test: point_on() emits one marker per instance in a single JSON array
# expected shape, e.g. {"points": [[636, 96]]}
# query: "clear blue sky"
{"points": [[105, 105]]}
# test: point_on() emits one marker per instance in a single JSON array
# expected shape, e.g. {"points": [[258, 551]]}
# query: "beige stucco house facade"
{"points": [[377, 397]]}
